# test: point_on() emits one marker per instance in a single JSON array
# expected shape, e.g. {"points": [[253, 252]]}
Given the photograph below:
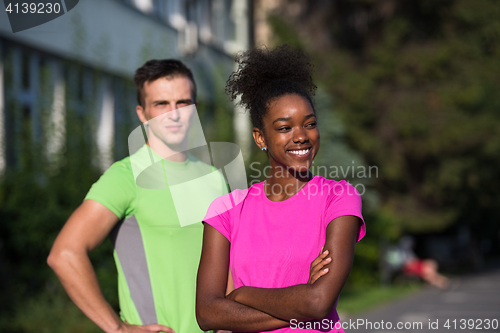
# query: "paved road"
{"points": [[473, 302]]}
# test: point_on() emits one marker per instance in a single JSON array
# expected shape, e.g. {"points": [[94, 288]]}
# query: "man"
{"points": [[156, 256]]}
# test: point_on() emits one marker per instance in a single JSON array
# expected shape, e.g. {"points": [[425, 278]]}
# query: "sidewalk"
{"points": [[472, 305]]}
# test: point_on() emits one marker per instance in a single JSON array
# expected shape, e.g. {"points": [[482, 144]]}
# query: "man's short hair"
{"points": [[156, 69]]}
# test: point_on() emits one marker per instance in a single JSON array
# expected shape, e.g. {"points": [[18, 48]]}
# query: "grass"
{"points": [[359, 300]]}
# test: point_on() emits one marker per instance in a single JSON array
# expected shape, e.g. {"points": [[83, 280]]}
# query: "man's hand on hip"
{"points": [[127, 328]]}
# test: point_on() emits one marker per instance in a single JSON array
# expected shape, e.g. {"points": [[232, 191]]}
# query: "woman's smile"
{"points": [[300, 153], [290, 133]]}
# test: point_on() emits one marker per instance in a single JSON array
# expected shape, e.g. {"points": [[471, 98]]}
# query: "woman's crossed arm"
{"points": [[256, 309], [310, 301]]}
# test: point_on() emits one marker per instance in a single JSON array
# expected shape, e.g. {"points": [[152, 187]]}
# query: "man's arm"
{"points": [[86, 228], [310, 301], [213, 310]]}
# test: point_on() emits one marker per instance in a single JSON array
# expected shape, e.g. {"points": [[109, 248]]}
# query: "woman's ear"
{"points": [[258, 137]]}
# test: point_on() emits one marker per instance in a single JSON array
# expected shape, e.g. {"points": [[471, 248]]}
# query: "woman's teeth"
{"points": [[299, 152]]}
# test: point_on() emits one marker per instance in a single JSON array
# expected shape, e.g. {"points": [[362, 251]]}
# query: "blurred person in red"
{"points": [[425, 269]]}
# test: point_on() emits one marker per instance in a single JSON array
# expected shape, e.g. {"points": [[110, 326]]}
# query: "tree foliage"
{"points": [[416, 83]]}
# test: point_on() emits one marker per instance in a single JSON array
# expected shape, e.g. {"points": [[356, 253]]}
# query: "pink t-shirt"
{"points": [[274, 243]]}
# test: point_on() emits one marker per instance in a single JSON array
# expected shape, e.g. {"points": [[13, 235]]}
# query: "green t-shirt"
{"points": [[157, 243]]}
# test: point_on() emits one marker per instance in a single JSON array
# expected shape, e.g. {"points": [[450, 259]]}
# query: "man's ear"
{"points": [[258, 137], [140, 113]]}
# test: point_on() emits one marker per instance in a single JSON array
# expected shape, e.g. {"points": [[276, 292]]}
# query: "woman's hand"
{"points": [[317, 265]]}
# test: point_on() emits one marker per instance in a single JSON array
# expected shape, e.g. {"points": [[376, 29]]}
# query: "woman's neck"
{"points": [[283, 184]]}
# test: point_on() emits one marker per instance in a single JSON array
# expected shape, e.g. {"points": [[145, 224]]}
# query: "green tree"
{"points": [[416, 84]]}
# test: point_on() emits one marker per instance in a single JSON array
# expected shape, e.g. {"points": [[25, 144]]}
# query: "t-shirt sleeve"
{"points": [[218, 215], [115, 189], [344, 199]]}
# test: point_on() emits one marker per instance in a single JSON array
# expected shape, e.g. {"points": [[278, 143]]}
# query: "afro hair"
{"points": [[264, 75]]}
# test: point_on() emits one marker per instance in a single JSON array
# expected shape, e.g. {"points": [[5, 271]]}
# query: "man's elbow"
{"points": [[59, 258], [53, 259]]}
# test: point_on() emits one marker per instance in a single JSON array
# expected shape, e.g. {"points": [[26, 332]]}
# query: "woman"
{"points": [[269, 234]]}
